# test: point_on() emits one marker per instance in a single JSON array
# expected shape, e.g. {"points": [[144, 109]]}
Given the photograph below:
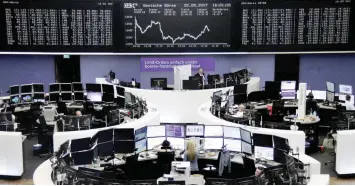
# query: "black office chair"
{"points": [[249, 167], [62, 108], [45, 137], [164, 160], [131, 167], [278, 110], [88, 108]]}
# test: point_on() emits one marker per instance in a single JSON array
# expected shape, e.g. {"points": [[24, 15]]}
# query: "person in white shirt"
{"points": [[348, 104]]}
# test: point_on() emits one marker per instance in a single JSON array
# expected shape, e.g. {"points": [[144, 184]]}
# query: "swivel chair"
{"points": [[164, 160], [45, 137], [88, 108], [131, 167], [62, 108], [278, 110]]}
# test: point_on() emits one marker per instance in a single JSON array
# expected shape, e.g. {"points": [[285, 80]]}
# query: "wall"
{"points": [[315, 70], [23, 69], [127, 67]]}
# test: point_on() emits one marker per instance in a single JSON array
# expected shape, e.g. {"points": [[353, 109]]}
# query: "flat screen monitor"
{"points": [[217, 95], [317, 94], [190, 84], [245, 135], [107, 89], [234, 145], [330, 96], [272, 86], [288, 94], [213, 131], [94, 96], [78, 96], [280, 143], [346, 89], [92, 87], [213, 79], [140, 134], [38, 97], [330, 87], [80, 144], [104, 136], [77, 87], [231, 132], [154, 142], [120, 90], [105, 149], [141, 145], [158, 82], [288, 85], [26, 98], [156, 131], [195, 130], [240, 89], [54, 87], [213, 143], [66, 97], [108, 98], [246, 148], [65, 87], [15, 99], [175, 131], [262, 140], [124, 146], [123, 134], [26, 89], [14, 90], [177, 143], [38, 87], [264, 153], [53, 97], [82, 158], [228, 77]]}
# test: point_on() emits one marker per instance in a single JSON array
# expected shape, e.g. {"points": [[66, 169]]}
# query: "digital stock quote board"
{"points": [[164, 26]]}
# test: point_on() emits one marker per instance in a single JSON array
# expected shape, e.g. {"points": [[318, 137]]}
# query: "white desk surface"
{"points": [[303, 122], [320, 105], [319, 179]]}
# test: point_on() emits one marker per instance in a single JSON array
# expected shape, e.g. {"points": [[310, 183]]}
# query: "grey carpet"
{"points": [[31, 162]]}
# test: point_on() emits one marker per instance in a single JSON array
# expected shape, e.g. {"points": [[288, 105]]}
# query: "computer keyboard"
{"points": [[76, 104]]}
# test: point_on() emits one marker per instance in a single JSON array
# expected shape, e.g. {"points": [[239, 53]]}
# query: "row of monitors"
{"points": [[27, 98], [343, 89], [90, 87], [26, 89]]}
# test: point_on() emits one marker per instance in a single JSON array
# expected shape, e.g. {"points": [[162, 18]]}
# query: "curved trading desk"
{"points": [[11, 159], [296, 139], [179, 106], [152, 117]]}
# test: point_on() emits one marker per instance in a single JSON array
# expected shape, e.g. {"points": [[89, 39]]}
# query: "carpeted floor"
{"points": [[32, 162]]}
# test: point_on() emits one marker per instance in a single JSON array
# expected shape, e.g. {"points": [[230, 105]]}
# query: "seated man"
{"points": [[348, 104], [78, 113]]}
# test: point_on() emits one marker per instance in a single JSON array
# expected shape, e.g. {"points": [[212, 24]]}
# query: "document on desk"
{"points": [[264, 153]]}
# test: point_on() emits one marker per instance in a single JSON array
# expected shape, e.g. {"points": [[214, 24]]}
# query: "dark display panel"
{"points": [[158, 26]]}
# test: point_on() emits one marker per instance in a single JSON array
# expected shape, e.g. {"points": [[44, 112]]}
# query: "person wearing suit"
{"points": [[202, 75]]}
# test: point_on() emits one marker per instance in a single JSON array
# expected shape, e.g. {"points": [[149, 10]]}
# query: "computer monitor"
{"points": [[195, 130], [26, 98], [66, 97], [288, 89], [213, 131], [65, 87], [264, 153], [38, 97], [196, 78], [156, 131], [240, 89], [82, 158], [105, 149], [280, 143], [262, 140], [153, 142], [141, 145], [53, 97], [229, 77], [38, 87], [231, 132], [273, 89], [213, 143], [240, 98], [330, 96], [330, 87], [246, 148], [107, 89], [177, 143], [190, 84], [346, 89], [15, 99], [54, 87], [14, 90], [234, 145], [78, 96], [124, 146], [120, 90], [175, 131], [123, 134], [158, 82], [77, 87], [104, 136], [92, 87], [26, 89], [94, 96], [140, 134], [213, 79], [80, 144], [108, 98], [245, 135]]}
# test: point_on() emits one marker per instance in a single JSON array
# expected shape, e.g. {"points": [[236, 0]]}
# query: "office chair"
{"points": [[45, 137], [88, 108], [62, 108], [131, 167], [293, 175], [249, 166], [164, 160], [278, 110]]}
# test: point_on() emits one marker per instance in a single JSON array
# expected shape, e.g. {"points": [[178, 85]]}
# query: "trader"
{"points": [[348, 104], [201, 75], [78, 113]]}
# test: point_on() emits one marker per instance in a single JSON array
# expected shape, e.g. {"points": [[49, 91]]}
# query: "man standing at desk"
{"points": [[348, 104], [201, 75]]}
